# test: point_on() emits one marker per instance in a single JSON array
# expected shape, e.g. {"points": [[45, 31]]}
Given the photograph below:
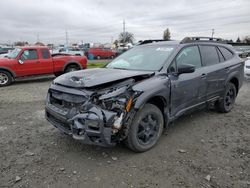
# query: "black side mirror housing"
{"points": [[186, 68]]}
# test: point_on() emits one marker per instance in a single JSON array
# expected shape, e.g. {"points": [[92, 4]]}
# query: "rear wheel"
{"points": [[98, 57], [5, 78], [146, 129], [72, 68], [226, 104]]}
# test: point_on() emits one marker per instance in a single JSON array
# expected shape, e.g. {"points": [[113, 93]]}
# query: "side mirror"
{"points": [[20, 61], [186, 68]]}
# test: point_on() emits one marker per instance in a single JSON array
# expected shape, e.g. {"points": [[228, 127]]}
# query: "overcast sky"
{"points": [[101, 20]]}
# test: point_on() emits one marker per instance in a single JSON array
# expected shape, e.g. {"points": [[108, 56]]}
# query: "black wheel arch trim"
{"points": [[146, 97], [71, 63], [231, 76], [8, 70]]}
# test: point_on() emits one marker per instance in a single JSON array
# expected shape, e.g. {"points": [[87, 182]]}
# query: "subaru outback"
{"points": [[140, 92]]}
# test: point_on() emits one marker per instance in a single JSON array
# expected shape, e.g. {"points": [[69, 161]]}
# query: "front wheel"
{"points": [[146, 128], [226, 104], [5, 78]]}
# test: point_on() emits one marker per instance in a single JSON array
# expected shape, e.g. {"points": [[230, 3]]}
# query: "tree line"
{"points": [[127, 37]]}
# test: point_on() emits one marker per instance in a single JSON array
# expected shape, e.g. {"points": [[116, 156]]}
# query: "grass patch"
{"points": [[91, 65]]}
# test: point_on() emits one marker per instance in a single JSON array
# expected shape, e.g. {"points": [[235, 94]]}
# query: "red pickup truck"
{"points": [[31, 61]]}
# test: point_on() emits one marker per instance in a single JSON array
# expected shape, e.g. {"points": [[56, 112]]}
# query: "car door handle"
{"points": [[203, 75]]}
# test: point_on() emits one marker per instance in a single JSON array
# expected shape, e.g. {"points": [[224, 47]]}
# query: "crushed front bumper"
{"points": [[91, 127]]}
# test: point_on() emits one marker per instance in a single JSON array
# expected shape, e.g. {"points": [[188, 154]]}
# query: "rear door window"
{"points": [[45, 54], [226, 53], [220, 55], [209, 55]]}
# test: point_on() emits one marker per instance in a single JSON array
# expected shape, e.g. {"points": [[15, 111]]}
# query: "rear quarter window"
{"points": [[226, 53], [209, 55]]}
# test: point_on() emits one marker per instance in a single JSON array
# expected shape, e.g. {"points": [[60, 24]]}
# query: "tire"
{"points": [[226, 104], [112, 57], [72, 68], [98, 57], [146, 128], [5, 78]]}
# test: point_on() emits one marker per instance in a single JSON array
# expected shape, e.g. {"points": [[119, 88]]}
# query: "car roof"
{"points": [[177, 43], [161, 43]]}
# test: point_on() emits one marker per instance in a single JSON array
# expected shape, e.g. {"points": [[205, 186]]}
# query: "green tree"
{"points": [[126, 37], [238, 39], [246, 39], [21, 43], [166, 34]]}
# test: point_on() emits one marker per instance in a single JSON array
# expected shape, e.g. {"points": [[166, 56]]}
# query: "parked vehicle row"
{"points": [[31, 61], [72, 51], [5, 50]]}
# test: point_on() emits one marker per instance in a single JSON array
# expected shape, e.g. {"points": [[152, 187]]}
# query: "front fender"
{"points": [[158, 86]]}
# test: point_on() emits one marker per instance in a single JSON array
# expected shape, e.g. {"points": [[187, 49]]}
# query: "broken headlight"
{"points": [[115, 99]]}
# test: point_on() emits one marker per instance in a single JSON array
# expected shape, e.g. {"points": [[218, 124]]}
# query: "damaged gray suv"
{"points": [[140, 92]]}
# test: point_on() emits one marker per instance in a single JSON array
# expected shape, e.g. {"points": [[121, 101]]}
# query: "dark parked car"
{"points": [[143, 90], [5, 50]]}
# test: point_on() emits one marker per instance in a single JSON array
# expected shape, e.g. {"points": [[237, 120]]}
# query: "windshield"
{"points": [[147, 58], [13, 54]]}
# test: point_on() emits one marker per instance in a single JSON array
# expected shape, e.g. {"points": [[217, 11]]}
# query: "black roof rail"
{"points": [[202, 39], [151, 41]]}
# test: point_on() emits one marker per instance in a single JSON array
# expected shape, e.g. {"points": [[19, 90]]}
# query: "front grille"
{"points": [[65, 101]]}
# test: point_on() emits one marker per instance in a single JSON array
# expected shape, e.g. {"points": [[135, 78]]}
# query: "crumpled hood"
{"points": [[98, 76]]}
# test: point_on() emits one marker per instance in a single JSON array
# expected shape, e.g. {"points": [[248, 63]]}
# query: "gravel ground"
{"points": [[205, 149]]}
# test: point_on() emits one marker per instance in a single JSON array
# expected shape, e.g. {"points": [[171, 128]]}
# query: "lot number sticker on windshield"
{"points": [[164, 49]]}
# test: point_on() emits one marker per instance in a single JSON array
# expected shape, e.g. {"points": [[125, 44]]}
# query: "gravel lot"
{"points": [[205, 149]]}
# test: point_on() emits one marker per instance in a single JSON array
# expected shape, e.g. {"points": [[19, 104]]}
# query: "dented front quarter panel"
{"points": [[157, 86]]}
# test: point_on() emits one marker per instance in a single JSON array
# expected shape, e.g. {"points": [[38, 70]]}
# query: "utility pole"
{"points": [[123, 26], [112, 39], [212, 33], [37, 37], [124, 30], [67, 40]]}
